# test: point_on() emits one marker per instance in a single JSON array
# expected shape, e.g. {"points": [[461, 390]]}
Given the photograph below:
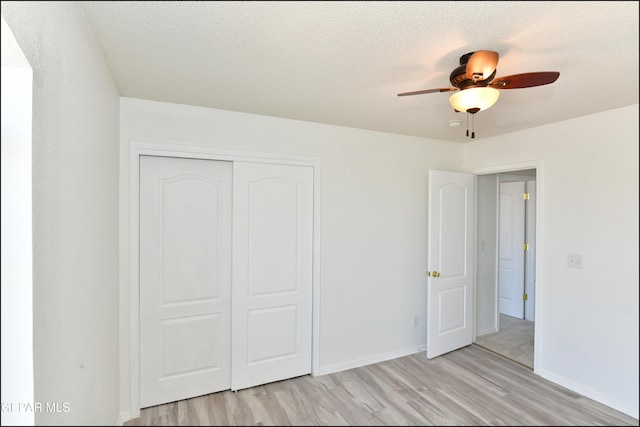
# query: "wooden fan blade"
{"points": [[481, 64], [518, 81], [420, 92]]}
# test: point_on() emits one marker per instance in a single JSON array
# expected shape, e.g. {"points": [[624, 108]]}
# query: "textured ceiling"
{"points": [[343, 63]]}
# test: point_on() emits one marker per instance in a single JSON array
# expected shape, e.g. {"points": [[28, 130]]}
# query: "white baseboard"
{"points": [[630, 410], [338, 367]]}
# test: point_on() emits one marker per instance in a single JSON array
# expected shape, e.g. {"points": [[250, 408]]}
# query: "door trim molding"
{"points": [[131, 308], [539, 301]]}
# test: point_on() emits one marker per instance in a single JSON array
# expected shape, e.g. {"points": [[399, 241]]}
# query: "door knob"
{"points": [[433, 274]]}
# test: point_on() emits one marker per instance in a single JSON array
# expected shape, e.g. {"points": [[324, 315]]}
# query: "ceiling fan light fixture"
{"points": [[474, 99]]}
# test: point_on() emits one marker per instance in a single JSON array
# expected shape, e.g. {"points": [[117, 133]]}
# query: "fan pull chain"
{"points": [[473, 126], [467, 123]]}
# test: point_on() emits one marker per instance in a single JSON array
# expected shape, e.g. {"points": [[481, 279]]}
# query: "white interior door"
{"points": [[185, 278], [450, 285], [510, 249], [530, 256], [272, 273]]}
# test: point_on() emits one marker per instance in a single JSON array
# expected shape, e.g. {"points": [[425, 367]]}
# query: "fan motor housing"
{"points": [[459, 79]]}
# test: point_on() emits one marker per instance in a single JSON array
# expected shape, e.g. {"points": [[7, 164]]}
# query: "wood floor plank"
{"points": [[395, 407], [290, 401], [470, 386]]}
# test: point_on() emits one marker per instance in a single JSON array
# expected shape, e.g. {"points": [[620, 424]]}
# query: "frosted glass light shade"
{"points": [[475, 97]]}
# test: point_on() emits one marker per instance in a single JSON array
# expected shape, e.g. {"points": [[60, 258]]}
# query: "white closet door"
{"points": [[272, 273], [185, 278]]}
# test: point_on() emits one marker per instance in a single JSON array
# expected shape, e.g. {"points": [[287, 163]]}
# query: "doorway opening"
{"points": [[505, 303]]}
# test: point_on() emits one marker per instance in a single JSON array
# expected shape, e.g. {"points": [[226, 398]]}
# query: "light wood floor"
{"points": [[514, 340], [470, 386]]}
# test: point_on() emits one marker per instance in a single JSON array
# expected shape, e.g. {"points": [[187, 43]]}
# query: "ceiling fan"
{"points": [[476, 86]]}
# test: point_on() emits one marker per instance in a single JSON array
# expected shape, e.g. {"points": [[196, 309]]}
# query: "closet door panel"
{"points": [[185, 278], [272, 273]]}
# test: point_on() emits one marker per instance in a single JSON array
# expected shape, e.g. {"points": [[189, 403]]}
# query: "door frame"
{"points": [[530, 282], [526, 179], [539, 289], [163, 149]]}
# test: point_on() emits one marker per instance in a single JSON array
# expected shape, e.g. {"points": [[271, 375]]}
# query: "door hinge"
{"points": [[525, 247], [525, 196], [525, 297]]}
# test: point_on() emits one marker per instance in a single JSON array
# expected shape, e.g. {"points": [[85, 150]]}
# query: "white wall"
{"points": [[373, 219], [487, 253], [75, 215], [586, 319], [17, 254]]}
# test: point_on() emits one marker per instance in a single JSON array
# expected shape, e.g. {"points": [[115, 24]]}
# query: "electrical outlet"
{"points": [[574, 260], [416, 320]]}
